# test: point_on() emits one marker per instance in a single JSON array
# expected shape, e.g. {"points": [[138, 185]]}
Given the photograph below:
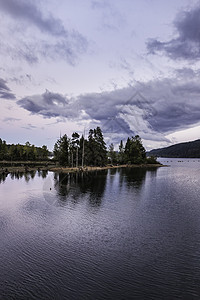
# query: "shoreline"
{"points": [[50, 168], [7, 167], [90, 169]]}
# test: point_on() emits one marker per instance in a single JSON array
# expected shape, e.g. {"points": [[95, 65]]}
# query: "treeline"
{"points": [[132, 153], [76, 151], [79, 151], [22, 152]]}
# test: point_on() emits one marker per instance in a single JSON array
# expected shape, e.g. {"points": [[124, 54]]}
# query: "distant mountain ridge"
{"points": [[181, 150]]}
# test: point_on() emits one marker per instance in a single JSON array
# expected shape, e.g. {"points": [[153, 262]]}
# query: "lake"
{"points": [[117, 234]]}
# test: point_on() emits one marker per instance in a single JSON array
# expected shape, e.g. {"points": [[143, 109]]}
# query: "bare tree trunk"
{"points": [[83, 153], [72, 160], [68, 158], [77, 157]]}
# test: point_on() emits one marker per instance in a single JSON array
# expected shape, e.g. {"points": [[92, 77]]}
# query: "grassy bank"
{"points": [[88, 169], [28, 166], [25, 166]]}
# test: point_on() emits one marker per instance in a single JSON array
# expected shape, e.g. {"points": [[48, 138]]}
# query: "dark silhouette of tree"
{"points": [[3, 150], [134, 151], [96, 152], [92, 151], [121, 157], [112, 154], [61, 150], [74, 146], [22, 152]]}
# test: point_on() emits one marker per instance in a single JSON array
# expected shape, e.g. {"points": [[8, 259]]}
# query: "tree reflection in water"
{"points": [[3, 177], [90, 186], [72, 186], [124, 180], [42, 173], [135, 177], [26, 175]]}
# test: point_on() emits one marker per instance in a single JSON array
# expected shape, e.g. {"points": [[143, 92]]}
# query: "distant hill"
{"points": [[182, 150]]}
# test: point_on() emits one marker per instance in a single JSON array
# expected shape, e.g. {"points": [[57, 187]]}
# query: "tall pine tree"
{"points": [[61, 150]]}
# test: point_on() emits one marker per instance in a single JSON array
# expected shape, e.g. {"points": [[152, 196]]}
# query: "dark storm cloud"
{"points": [[151, 109], [176, 103], [49, 105], [27, 11], [186, 44], [5, 92], [59, 42]]}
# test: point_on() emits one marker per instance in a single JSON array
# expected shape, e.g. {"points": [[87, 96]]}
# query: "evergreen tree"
{"points": [[83, 152], [90, 150], [3, 150], [61, 150], [121, 158], [112, 154], [75, 148], [127, 151], [96, 148], [43, 152], [22, 152], [134, 151], [101, 152]]}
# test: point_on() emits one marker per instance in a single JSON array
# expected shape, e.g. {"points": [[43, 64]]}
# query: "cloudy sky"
{"points": [[128, 66]]}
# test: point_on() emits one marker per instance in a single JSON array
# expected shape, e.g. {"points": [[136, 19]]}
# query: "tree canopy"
{"points": [[22, 152], [92, 151], [78, 151]]}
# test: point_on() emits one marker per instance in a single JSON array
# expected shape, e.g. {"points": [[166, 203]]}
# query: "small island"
{"points": [[75, 154]]}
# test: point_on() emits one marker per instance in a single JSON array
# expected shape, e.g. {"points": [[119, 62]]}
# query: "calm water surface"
{"points": [[116, 234]]}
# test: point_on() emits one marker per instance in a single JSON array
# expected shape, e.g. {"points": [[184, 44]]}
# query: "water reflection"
{"points": [[135, 177], [26, 175], [73, 185], [3, 177], [42, 173], [143, 245]]}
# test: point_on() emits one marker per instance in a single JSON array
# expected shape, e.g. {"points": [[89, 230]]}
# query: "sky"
{"points": [[128, 66]]}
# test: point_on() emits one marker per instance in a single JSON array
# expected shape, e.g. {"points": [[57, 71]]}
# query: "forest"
{"points": [[79, 151], [22, 152], [181, 150]]}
